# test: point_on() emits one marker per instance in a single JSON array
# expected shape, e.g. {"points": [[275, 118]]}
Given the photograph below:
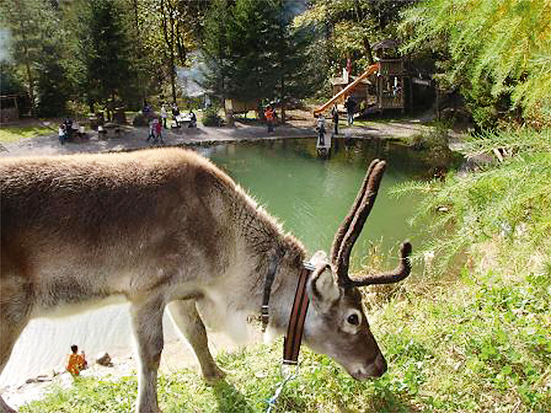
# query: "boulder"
{"points": [[104, 359]]}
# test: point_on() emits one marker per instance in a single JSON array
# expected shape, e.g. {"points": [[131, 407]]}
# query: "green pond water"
{"points": [[310, 196]]}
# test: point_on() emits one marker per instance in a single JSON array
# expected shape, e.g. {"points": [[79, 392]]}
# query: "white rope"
{"points": [[288, 376]]}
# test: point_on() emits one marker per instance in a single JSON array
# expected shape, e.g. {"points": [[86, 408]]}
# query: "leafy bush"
{"points": [[140, 120], [507, 204], [436, 144], [211, 118]]}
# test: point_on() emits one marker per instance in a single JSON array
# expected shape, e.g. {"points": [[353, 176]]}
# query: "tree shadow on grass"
{"points": [[229, 399]]}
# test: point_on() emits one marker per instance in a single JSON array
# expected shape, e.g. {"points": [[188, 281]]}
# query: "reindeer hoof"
{"points": [[215, 376]]}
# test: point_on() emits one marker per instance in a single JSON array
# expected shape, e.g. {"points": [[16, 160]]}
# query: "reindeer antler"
{"points": [[343, 229], [350, 230]]}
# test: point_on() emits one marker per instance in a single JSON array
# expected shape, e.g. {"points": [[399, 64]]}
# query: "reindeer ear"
{"points": [[323, 287]]}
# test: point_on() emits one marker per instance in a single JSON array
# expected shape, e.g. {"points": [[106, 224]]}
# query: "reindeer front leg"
{"points": [[185, 316], [147, 323]]}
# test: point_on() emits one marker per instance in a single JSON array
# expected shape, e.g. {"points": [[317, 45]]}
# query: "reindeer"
{"points": [[165, 228]]}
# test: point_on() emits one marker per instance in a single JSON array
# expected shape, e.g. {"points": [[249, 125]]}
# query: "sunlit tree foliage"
{"points": [[497, 52], [351, 27]]}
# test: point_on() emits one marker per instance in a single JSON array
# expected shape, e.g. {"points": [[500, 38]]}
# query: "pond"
{"points": [[310, 196]]}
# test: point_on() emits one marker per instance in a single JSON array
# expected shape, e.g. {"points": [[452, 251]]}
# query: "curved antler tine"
{"points": [[400, 272], [359, 220], [343, 229]]}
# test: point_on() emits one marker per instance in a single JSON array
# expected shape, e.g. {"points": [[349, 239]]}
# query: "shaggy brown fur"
{"points": [[160, 228]]}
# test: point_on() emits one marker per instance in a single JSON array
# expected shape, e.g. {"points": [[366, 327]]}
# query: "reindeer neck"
{"points": [[265, 243]]}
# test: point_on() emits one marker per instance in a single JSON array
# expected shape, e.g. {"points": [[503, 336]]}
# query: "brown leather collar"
{"points": [[295, 328]]}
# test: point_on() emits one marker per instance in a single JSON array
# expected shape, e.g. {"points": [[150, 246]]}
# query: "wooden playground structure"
{"points": [[387, 81]]}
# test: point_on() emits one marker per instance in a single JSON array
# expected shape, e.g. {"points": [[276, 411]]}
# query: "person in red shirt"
{"points": [[158, 130]]}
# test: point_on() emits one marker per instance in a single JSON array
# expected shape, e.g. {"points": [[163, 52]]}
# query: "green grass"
{"points": [[10, 134], [486, 347]]}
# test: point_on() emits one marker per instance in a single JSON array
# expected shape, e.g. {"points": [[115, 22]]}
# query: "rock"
{"points": [[104, 359], [38, 379]]}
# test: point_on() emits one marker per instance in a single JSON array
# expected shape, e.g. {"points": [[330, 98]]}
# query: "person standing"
{"points": [[164, 115], [62, 133], [176, 114], [270, 117], [152, 129], [335, 116], [350, 106], [192, 119], [158, 132], [321, 131]]}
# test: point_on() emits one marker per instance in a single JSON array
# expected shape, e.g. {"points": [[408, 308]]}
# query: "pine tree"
{"points": [[106, 54], [252, 52], [36, 52]]}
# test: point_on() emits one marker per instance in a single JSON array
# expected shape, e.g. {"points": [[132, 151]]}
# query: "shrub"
{"points": [[211, 118], [140, 120]]}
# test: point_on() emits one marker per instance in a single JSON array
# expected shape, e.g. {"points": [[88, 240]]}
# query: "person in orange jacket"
{"points": [[75, 362], [270, 118]]}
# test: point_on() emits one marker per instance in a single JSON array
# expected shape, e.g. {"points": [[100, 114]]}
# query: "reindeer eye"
{"points": [[353, 319]]}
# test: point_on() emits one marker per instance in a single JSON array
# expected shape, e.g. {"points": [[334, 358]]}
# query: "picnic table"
{"points": [[183, 120]]}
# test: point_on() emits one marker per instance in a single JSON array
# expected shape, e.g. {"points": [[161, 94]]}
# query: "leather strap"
{"points": [[295, 328], [269, 280]]}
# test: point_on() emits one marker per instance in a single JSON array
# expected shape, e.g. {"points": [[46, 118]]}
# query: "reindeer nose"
{"points": [[379, 366]]}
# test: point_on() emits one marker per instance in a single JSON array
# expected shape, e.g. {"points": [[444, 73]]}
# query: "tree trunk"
{"points": [[368, 50], [26, 53], [173, 78], [138, 49], [169, 40], [283, 96]]}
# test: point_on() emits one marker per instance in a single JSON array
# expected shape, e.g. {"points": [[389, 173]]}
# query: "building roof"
{"points": [[386, 44]]}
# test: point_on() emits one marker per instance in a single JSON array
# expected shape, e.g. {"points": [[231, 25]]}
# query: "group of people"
{"points": [[76, 362], [67, 129], [157, 123], [155, 128], [350, 106]]}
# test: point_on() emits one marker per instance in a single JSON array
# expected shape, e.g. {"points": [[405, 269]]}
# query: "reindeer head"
{"points": [[337, 325]]}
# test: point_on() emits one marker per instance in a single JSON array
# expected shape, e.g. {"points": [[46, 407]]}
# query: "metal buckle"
{"points": [[309, 266], [289, 369], [265, 317]]}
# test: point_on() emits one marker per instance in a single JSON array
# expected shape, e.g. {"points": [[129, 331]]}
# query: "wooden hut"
{"points": [[9, 110]]}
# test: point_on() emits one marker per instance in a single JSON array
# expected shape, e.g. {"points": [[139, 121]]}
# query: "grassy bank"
{"points": [[10, 134], [484, 347]]}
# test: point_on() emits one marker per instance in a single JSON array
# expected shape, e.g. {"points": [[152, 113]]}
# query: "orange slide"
{"points": [[370, 70]]}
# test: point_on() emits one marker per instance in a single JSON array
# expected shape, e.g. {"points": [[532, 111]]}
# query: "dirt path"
{"points": [[135, 137]]}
